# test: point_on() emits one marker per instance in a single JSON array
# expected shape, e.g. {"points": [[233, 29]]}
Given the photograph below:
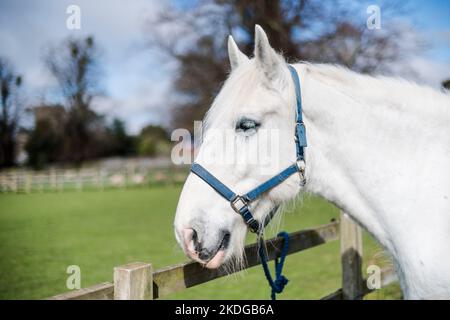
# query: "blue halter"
{"points": [[240, 203]]}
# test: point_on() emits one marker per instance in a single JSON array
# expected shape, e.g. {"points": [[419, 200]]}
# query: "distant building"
{"points": [[21, 141], [54, 115]]}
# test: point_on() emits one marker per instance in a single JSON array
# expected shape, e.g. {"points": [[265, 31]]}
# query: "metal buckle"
{"points": [[249, 223], [300, 134], [301, 165], [238, 203], [297, 124]]}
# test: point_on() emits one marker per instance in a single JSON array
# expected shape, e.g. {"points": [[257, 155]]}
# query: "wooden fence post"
{"points": [[133, 281], [351, 258]]}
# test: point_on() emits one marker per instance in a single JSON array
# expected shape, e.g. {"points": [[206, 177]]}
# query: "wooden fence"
{"points": [[59, 180], [136, 281]]}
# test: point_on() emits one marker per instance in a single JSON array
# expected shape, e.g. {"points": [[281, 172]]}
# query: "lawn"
{"points": [[42, 234]]}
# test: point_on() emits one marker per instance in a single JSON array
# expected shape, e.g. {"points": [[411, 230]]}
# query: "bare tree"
{"points": [[74, 66], [314, 30], [11, 110]]}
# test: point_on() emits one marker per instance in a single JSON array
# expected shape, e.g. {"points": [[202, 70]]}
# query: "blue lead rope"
{"points": [[281, 281]]}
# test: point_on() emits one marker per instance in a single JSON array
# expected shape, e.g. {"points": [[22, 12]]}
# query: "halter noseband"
{"points": [[240, 203]]}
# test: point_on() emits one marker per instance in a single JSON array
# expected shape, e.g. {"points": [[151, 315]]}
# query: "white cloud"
{"points": [[140, 107], [133, 80], [424, 54]]}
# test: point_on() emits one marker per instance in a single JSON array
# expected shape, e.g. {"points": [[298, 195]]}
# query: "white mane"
{"points": [[402, 94]]}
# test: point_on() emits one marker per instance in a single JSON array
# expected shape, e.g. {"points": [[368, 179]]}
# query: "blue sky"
{"points": [[433, 18], [136, 82]]}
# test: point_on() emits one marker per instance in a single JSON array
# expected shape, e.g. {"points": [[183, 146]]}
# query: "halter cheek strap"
{"points": [[300, 132], [240, 203]]}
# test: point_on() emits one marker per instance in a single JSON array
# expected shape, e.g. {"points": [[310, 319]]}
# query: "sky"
{"points": [[136, 79], [432, 17]]}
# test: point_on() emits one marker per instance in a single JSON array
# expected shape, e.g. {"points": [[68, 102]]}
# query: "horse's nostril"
{"points": [[194, 243], [197, 245], [205, 255], [194, 235]]}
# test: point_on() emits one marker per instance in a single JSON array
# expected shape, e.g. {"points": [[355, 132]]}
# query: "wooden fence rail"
{"points": [[139, 281]]}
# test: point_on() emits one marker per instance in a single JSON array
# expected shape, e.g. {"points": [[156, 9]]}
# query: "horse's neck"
{"points": [[379, 163]]}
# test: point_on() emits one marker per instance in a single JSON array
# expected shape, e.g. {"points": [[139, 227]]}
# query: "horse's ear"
{"points": [[266, 58], [234, 54]]}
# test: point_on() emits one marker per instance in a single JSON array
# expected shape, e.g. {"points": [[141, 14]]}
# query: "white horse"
{"points": [[378, 148]]}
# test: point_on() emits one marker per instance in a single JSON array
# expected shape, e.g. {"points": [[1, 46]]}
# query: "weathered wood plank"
{"points": [[133, 281], [388, 276], [337, 295], [102, 291], [351, 258], [179, 277]]}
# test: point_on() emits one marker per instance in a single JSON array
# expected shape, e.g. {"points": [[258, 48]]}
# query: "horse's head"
{"points": [[248, 138]]}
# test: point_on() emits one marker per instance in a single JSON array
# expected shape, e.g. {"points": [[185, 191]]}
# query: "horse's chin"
{"points": [[217, 260]]}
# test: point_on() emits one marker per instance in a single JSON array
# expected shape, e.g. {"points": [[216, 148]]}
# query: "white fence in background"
{"points": [[58, 180]]}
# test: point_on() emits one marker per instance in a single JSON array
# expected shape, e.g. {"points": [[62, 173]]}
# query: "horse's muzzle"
{"points": [[210, 256]]}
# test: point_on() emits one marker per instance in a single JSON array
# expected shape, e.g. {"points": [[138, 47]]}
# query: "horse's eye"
{"points": [[247, 125]]}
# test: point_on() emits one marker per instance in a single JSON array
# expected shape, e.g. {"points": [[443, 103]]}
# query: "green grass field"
{"points": [[42, 234]]}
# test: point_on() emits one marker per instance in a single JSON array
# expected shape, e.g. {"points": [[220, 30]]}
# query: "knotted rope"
{"points": [[280, 281]]}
